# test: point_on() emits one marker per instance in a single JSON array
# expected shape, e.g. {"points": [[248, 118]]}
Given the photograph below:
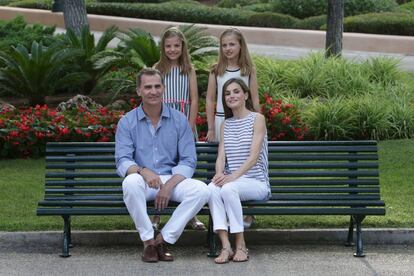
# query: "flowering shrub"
{"points": [[25, 132], [201, 124], [282, 120]]}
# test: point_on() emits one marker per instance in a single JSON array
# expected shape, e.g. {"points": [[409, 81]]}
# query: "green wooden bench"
{"points": [[307, 178]]}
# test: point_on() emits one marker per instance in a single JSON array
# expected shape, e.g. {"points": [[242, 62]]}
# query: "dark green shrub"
{"points": [[148, 1], [16, 31], [5, 2], [270, 19], [174, 12], [133, 1], [236, 3], [301, 8], [311, 23], [403, 1], [307, 8], [381, 23], [408, 7], [260, 7], [354, 7]]}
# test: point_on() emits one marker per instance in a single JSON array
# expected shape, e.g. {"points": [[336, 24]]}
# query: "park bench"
{"points": [[307, 178]]}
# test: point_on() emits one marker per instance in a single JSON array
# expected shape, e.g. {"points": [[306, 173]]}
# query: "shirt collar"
{"points": [[164, 113]]}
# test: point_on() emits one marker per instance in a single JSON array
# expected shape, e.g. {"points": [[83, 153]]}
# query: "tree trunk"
{"points": [[335, 28], [74, 13]]}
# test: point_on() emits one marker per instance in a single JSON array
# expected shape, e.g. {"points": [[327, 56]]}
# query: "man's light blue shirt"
{"points": [[167, 149]]}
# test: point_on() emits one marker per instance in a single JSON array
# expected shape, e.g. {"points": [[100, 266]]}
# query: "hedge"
{"points": [[381, 23], [398, 23], [307, 8]]}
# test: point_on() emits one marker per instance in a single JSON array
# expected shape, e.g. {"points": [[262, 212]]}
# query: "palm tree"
{"points": [[39, 71], [85, 42]]}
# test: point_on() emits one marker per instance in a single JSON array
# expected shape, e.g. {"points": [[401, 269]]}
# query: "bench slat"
{"points": [[343, 173], [320, 157]]}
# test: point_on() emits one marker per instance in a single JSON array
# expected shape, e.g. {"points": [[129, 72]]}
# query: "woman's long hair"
{"points": [[228, 113], [184, 61]]}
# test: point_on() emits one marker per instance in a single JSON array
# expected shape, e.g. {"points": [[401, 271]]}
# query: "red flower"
{"points": [[286, 120], [104, 139], [14, 133], [64, 131]]}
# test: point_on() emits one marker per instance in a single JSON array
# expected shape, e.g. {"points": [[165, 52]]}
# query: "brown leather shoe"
{"points": [[163, 253], [150, 254]]}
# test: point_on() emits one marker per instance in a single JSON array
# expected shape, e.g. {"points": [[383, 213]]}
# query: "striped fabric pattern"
{"points": [[177, 91], [238, 135]]}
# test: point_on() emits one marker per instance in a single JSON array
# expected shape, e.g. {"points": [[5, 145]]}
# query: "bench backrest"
{"points": [[316, 170]]}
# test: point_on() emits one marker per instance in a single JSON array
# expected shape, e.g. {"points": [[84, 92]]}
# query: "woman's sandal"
{"points": [[245, 251], [227, 258]]}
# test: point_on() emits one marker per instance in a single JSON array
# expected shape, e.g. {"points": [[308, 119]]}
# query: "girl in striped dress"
{"points": [[233, 62], [180, 81], [241, 168], [179, 75]]}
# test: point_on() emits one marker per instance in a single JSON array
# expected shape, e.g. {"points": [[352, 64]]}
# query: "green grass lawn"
{"points": [[22, 184]]}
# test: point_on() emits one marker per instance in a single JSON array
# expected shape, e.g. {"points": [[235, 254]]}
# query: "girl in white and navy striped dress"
{"points": [[180, 86], [179, 75], [241, 168]]}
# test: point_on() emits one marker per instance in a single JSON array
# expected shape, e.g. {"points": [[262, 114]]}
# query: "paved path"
{"points": [[280, 52], [32, 259]]}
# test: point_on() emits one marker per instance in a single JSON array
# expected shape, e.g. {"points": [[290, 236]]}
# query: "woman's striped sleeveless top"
{"points": [[238, 136]]}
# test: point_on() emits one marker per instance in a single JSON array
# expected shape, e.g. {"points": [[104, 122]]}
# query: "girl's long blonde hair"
{"points": [[184, 61], [245, 62]]}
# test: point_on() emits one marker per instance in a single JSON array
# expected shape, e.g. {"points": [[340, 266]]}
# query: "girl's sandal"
{"points": [[227, 257], [244, 251]]}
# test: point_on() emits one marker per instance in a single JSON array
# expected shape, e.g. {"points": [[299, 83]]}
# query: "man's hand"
{"points": [[163, 197], [152, 179], [220, 179]]}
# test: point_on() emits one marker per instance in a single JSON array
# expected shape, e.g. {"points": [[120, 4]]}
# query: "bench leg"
{"points": [[211, 239], [350, 239], [359, 244], [66, 237]]}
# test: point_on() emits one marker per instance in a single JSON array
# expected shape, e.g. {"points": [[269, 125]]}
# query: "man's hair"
{"points": [[148, 72]]}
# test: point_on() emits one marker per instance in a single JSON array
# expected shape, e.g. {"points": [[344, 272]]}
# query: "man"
{"points": [[155, 152]]}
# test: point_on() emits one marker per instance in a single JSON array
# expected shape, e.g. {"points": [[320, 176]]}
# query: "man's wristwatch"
{"points": [[140, 169]]}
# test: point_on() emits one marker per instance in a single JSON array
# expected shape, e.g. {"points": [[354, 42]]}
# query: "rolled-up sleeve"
{"points": [[124, 147], [186, 152]]}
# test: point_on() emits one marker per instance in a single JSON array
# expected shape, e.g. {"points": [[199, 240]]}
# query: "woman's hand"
{"points": [[211, 136], [221, 179]]}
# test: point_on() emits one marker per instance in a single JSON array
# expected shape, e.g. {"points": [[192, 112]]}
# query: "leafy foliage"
{"points": [[16, 31], [38, 71], [85, 42]]}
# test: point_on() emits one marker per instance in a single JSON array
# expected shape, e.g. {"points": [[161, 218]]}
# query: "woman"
{"points": [[241, 168]]}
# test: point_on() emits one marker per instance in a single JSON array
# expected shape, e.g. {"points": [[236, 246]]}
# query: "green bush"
{"points": [[236, 3], [311, 23], [38, 71], [270, 19], [371, 117], [132, 1], [408, 7], [174, 12], [330, 119], [260, 7], [308, 8], [16, 31], [301, 8], [354, 7], [381, 23]]}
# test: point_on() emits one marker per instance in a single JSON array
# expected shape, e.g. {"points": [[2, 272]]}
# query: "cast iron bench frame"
{"points": [[307, 178]]}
